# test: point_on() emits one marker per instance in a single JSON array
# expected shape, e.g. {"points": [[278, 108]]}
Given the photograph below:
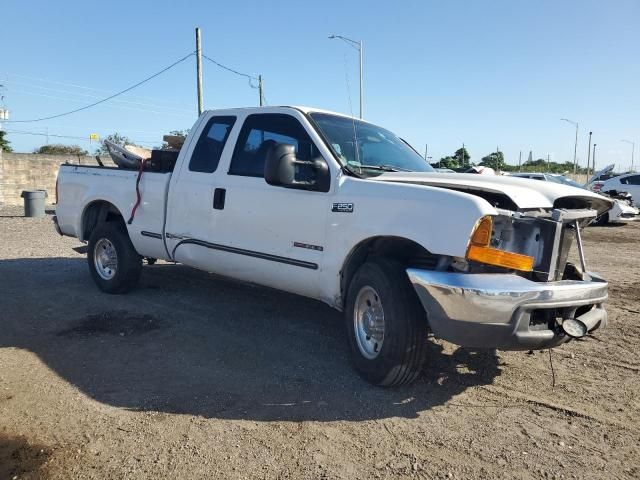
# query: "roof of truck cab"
{"points": [[300, 108]]}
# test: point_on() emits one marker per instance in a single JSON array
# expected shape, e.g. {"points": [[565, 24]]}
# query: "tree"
{"points": [[118, 140], [494, 160], [4, 143], [446, 162], [59, 149], [462, 157]]}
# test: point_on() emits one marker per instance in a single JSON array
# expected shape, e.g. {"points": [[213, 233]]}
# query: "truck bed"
{"points": [[80, 186]]}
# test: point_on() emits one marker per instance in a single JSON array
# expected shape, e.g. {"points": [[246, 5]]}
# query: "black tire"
{"points": [[404, 347], [128, 265], [602, 220]]}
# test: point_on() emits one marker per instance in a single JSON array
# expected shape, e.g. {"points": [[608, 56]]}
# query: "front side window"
{"points": [[259, 133], [206, 155]]}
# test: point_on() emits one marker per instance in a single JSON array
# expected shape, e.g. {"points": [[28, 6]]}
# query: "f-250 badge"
{"points": [[342, 207]]}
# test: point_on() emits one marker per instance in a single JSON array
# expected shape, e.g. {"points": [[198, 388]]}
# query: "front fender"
{"points": [[439, 220]]}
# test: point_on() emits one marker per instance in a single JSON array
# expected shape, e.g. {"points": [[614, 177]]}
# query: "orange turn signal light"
{"points": [[500, 258], [482, 233]]}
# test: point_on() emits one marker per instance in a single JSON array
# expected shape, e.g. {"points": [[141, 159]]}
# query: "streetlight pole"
{"points": [[520, 161], [588, 157], [359, 46], [633, 147], [575, 145]]}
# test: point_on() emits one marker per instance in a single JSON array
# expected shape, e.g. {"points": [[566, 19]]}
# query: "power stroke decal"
{"points": [[342, 207]]}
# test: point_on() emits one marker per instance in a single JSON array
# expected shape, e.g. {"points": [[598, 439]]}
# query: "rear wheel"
{"points": [[113, 262], [386, 324]]}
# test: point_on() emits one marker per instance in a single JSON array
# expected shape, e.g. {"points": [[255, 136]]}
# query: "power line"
{"points": [[22, 132], [113, 104], [107, 98], [246, 75], [86, 95], [73, 85]]}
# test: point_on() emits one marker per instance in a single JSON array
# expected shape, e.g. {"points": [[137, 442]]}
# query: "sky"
{"points": [[484, 73]]}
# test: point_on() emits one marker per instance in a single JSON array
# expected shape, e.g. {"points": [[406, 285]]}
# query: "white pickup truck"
{"points": [[341, 210]]}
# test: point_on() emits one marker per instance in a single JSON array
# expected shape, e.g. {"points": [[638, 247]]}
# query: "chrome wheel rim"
{"points": [[105, 259], [368, 322]]}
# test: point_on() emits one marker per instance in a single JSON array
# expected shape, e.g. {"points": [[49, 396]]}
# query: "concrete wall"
{"points": [[26, 171]]}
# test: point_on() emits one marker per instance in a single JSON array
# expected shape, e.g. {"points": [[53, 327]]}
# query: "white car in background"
{"points": [[629, 182], [623, 210]]}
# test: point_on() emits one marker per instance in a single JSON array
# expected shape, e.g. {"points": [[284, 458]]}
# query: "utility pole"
{"points": [[462, 154], [588, 157], [593, 161], [199, 69], [520, 161], [633, 148], [548, 164], [260, 90], [426, 150]]}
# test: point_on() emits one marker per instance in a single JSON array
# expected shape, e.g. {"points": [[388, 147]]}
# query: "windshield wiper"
{"points": [[350, 171], [383, 168]]}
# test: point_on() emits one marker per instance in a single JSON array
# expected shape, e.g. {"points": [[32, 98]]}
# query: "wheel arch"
{"points": [[406, 251], [95, 213]]}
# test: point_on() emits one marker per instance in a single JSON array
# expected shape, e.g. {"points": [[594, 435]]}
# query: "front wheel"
{"points": [[386, 324], [602, 219], [113, 261]]}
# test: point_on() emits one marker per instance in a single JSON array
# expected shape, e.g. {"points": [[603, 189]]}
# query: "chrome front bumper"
{"points": [[499, 310]]}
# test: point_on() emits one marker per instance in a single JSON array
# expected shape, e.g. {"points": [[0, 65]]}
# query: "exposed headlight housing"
{"points": [[480, 249]]}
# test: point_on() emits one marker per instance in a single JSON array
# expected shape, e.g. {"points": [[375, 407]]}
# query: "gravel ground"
{"points": [[194, 376]]}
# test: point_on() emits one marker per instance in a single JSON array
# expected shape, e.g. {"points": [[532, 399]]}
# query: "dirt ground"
{"points": [[194, 376]]}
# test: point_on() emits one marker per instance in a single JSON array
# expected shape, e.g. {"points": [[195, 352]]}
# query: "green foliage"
{"points": [[494, 160], [5, 144], [59, 149], [116, 138], [459, 159], [446, 162], [462, 157], [540, 165]]}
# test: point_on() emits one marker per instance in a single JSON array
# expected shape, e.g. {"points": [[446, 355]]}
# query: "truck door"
{"points": [[194, 199], [266, 234]]}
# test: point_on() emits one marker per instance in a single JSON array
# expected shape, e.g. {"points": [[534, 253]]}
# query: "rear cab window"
{"points": [[207, 152]]}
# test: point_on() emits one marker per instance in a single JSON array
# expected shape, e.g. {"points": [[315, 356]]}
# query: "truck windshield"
{"points": [[368, 149]]}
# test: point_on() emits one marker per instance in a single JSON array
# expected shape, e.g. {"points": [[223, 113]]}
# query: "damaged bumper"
{"points": [[506, 311]]}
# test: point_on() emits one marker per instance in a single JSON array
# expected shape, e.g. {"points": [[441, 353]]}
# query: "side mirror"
{"points": [[281, 166]]}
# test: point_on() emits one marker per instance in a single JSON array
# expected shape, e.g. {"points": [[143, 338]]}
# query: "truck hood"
{"points": [[511, 193]]}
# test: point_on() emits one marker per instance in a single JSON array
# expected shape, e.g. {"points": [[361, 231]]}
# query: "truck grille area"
{"points": [[545, 236]]}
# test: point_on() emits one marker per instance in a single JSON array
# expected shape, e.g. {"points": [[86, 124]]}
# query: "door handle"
{"points": [[219, 195]]}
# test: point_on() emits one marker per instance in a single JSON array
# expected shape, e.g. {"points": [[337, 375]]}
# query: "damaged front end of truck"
{"points": [[524, 282]]}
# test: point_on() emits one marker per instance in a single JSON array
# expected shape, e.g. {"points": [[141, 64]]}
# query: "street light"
{"points": [[575, 145], [633, 147], [357, 45]]}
